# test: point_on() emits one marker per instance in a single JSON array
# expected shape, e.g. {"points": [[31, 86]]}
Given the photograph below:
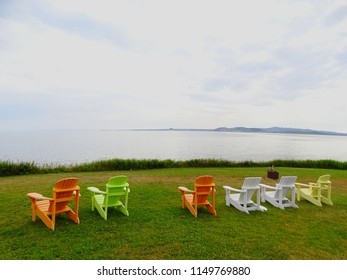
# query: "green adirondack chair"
{"points": [[317, 192], [115, 196]]}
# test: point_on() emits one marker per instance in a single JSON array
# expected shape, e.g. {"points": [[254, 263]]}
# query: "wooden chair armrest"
{"points": [[233, 189], [74, 193], [300, 185], [267, 186], [95, 190], [38, 196], [184, 189], [252, 188]]}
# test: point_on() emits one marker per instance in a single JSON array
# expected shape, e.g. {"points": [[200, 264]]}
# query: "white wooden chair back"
{"points": [[250, 184], [284, 185]]}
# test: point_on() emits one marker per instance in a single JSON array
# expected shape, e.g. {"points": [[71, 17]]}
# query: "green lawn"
{"points": [[158, 228]]}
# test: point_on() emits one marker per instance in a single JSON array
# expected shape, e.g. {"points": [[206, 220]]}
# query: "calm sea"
{"points": [[70, 147]]}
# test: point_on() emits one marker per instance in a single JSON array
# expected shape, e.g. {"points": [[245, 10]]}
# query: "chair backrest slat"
{"points": [[116, 187], [203, 187], [63, 192], [284, 185], [249, 184]]}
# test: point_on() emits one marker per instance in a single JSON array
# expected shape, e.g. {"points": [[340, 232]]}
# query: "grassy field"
{"points": [[159, 229]]}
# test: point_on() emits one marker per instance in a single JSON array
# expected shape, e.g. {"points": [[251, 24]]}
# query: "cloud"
{"points": [[125, 64], [338, 15]]}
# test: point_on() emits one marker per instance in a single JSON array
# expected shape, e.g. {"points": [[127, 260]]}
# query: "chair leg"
{"points": [[93, 202], [73, 216], [123, 209], [33, 212], [263, 195], [192, 210], [326, 201], [239, 207], [259, 207], [212, 210], [298, 192], [46, 220], [275, 203], [183, 202], [227, 200], [293, 198]]}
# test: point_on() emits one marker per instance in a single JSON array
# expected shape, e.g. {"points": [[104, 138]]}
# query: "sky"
{"points": [[137, 64]]}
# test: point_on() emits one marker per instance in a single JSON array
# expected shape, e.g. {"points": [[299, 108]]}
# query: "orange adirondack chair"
{"points": [[46, 208], [203, 188]]}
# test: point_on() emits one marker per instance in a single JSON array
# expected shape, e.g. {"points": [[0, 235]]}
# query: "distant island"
{"points": [[280, 130], [254, 130]]}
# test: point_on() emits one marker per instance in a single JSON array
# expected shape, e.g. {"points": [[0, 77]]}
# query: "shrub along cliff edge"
{"points": [[8, 168]]}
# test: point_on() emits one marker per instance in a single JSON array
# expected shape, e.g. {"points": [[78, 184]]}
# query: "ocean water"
{"points": [[79, 146]]}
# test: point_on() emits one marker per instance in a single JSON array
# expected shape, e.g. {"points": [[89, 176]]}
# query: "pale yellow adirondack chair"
{"points": [[313, 192]]}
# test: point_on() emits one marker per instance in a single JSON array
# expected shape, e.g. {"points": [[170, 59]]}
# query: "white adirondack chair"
{"points": [[277, 195], [241, 199]]}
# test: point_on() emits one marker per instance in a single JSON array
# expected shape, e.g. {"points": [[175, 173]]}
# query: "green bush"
{"points": [[8, 168]]}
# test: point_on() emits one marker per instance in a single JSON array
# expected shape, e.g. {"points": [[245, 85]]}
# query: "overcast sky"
{"points": [[181, 64]]}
